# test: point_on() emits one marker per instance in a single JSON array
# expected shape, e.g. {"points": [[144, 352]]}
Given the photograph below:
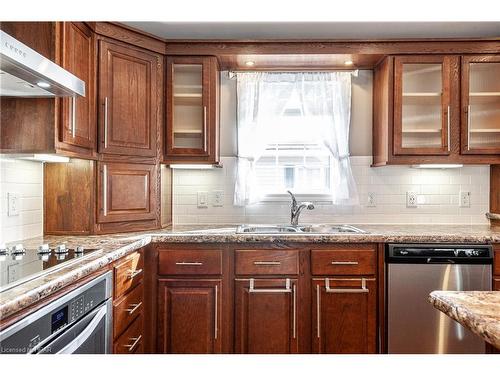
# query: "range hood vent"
{"points": [[25, 73]]}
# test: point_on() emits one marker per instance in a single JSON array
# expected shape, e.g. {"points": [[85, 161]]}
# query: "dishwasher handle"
{"points": [[440, 261]]}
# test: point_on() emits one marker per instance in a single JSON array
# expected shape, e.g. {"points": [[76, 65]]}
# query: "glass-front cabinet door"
{"points": [[422, 105], [189, 108], [480, 105]]}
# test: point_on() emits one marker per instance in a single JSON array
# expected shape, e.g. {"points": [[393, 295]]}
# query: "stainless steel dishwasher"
{"points": [[414, 326]]}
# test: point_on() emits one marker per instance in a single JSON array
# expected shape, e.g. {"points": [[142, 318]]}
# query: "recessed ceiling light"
{"points": [[43, 85], [249, 63], [348, 62]]}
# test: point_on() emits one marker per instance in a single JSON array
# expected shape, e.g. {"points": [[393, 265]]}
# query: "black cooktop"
{"points": [[19, 265]]}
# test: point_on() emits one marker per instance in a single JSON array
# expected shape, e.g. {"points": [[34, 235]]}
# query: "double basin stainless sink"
{"points": [[299, 229]]}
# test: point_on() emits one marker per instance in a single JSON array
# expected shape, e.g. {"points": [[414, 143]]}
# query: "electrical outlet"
{"points": [[370, 200], [464, 199], [411, 199], [218, 198], [13, 204], [202, 199]]}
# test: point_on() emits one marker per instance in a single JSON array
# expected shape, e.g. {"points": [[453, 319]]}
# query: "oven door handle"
{"points": [[82, 337]]}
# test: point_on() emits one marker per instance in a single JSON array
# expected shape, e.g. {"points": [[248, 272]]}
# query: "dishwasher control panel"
{"points": [[439, 253]]}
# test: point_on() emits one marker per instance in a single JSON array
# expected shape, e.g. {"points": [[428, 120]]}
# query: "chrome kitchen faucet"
{"points": [[296, 209]]}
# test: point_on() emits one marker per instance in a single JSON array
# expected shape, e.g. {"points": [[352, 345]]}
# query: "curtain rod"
{"points": [[232, 73]]}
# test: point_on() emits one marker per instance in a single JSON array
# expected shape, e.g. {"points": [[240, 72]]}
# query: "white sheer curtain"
{"points": [[324, 95], [261, 96]]}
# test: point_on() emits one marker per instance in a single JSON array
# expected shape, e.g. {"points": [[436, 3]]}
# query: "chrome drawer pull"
{"points": [[134, 308], [346, 290], [189, 263], [294, 312], [253, 290], [318, 312], [105, 122], [449, 128], [344, 263], [134, 274], [132, 346], [267, 263], [216, 312]]}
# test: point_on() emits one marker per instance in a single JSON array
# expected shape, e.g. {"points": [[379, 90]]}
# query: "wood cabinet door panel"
{"points": [[344, 318], [128, 99], [189, 316], [265, 317], [78, 124], [126, 192]]}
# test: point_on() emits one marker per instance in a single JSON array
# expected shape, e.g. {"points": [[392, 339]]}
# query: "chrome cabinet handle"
{"points": [[189, 263], [73, 117], [449, 128], [106, 122], [267, 263], [216, 311], [344, 263], [205, 128], [253, 290], [134, 273], [294, 322], [105, 189], [468, 127], [318, 312], [132, 346], [134, 308], [346, 290]]}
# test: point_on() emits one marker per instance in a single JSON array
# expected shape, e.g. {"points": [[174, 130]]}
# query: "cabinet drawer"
{"points": [[128, 273], [266, 262], [190, 262], [129, 307], [343, 262], [132, 340]]}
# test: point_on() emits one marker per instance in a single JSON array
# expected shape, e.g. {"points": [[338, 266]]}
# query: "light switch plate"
{"points": [[202, 199], [13, 204], [218, 198], [464, 199]]}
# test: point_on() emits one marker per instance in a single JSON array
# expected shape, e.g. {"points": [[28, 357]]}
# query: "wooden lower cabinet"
{"points": [[266, 316], [344, 315], [189, 316]]}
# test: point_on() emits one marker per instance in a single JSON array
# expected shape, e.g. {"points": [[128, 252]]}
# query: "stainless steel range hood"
{"points": [[26, 73]]}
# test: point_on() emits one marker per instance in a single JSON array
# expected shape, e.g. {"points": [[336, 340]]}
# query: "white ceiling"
{"points": [[319, 30]]}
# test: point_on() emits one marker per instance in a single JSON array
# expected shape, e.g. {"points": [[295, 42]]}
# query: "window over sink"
{"points": [[293, 133]]}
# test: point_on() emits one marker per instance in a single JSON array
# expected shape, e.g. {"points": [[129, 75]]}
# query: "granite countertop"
{"points": [[478, 311], [115, 246]]}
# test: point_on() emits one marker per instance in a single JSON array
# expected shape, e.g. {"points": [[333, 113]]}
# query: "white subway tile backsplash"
{"points": [[437, 189], [26, 178]]}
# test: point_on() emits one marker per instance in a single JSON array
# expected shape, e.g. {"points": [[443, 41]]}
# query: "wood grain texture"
{"points": [[69, 197], [266, 262], [382, 111], [209, 152], [347, 321], [129, 192], [264, 322], [187, 315], [128, 79], [190, 262], [465, 82], [127, 308], [126, 273], [79, 58], [328, 262], [133, 334]]}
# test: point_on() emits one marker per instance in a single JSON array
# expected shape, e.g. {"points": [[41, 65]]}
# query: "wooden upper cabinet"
{"points": [[266, 316], [344, 316], [189, 316], [130, 83], [126, 192], [192, 134], [422, 105], [78, 118], [480, 104]]}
